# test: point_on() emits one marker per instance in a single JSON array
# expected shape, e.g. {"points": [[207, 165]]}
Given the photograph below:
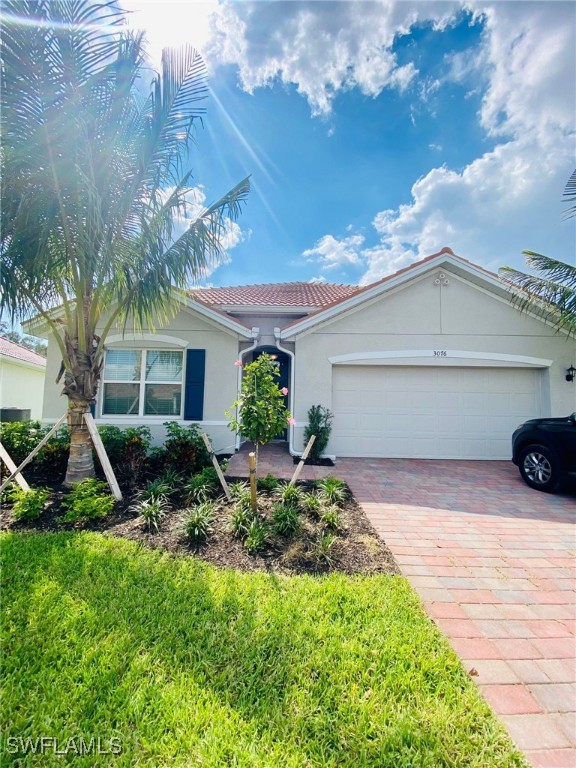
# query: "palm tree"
{"points": [[552, 292], [92, 180]]}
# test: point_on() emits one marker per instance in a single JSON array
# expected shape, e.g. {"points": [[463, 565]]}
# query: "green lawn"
{"points": [[191, 666]]}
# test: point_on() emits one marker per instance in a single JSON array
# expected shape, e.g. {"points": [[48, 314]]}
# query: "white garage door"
{"points": [[430, 412]]}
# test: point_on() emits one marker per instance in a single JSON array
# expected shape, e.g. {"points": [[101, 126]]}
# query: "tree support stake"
{"points": [[302, 460], [223, 482]]}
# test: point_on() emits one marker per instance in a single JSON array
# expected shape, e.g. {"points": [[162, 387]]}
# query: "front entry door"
{"points": [[283, 378]]}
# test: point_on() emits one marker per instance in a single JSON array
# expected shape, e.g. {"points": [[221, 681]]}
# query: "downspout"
{"points": [[255, 336], [291, 393]]}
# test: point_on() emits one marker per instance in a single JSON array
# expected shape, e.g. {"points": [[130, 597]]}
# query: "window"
{"points": [[142, 382]]}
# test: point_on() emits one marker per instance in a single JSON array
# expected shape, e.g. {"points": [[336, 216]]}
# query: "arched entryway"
{"points": [[283, 374]]}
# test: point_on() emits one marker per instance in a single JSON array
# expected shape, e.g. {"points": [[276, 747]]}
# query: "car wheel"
{"points": [[539, 468]]}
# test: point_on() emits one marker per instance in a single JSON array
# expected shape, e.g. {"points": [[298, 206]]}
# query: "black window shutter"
{"points": [[194, 389]]}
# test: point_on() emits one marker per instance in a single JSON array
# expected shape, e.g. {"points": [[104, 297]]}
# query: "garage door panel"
{"points": [[444, 401], [344, 398], [498, 403], [430, 412]]}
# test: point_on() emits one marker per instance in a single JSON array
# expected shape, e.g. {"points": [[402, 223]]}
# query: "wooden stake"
{"points": [[29, 458], [103, 456], [302, 460], [5, 456], [252, 465], [221, 477]]}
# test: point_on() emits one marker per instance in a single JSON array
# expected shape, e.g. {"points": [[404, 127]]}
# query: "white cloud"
{"points": [[331, 253], [316, 280], [322, 48], [508, 199], [502, 203], [529, 48]]}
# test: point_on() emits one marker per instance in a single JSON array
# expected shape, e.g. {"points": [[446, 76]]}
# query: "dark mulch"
{"points": [[315, 462], [357, 550]]}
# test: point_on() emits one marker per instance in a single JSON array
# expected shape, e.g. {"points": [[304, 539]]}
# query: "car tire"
{"points": [[539, 468]]}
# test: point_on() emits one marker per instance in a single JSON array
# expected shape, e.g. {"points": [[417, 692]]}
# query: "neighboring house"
{"points": [[22, 374], [431, 362]]}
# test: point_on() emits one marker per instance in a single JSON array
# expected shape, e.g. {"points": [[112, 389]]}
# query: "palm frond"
{"points": [[171, 112], [156, 267], [569, 196], [553, 269], [551, 296]]}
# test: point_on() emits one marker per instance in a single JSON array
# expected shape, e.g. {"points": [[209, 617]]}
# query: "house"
{"points": [[21, 382], [430, 362]]}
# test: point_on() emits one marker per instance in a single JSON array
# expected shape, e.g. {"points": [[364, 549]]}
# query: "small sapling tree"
{"points": [[260, 413]]}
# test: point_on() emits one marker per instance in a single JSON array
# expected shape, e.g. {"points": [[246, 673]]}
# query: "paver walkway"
{"points": [[493, 562]]}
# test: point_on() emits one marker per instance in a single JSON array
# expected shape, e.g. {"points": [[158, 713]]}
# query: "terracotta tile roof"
{"points": [[317, 295], [18, 352]]}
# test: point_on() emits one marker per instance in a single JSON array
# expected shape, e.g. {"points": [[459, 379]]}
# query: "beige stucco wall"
{"points": [[185, 330], [422, 315], [21, 386]]}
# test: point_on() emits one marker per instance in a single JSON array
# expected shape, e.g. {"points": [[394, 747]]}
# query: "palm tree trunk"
{"points": [[81, 379], [80, 462]]}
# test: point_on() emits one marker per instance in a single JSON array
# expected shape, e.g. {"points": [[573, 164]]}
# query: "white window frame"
{"points": [[142, 386]]}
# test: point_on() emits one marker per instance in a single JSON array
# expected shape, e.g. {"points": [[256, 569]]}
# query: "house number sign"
{"points": [[440, 353]]}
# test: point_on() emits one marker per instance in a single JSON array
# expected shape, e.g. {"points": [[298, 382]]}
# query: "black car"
{"points": [[544, 450]]}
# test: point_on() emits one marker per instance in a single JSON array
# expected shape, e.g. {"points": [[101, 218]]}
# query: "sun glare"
{"points": [[170, 24]]}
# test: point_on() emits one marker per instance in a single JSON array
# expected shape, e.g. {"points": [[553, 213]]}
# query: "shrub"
{"points": [[10, 494], [243, 499], [332, 490], [153, 510], [29, 505], [88, 500], [184, 451], [159, 487], [289, 494], [268, 483], [285, 519], [238, 489], [52, 459], [322, 548], [241, 519], [196, 524], [257, 536], [319, 424], [331, 520], [21, 437], [127, 450], [201, 487], [311, 504]]}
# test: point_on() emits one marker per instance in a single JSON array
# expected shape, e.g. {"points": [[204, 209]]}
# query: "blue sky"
{"points": [[376, 133]]}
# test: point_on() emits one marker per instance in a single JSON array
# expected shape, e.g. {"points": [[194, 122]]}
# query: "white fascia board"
{"points": [[23, 363], [266, 309], [217, 318], [37, 324], [477, 276]]}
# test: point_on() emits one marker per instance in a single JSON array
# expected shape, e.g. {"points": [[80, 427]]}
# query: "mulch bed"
{"points": [[357, 550]]}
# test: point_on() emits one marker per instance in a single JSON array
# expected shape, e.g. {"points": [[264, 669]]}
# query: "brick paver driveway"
{"points": [[493, 562]]}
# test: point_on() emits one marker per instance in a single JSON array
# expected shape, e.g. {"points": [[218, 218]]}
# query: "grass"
{"points": [[189, 665]]}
